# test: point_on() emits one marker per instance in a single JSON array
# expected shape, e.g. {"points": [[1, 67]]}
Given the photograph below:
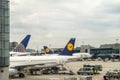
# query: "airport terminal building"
{"points": [[105, 50]]}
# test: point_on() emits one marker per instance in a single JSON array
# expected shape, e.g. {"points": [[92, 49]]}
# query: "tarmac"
{"points": [[75, 66]]}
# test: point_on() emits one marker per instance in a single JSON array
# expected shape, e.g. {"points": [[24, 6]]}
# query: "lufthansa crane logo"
{"points": [[70, 46], [47, 50]]}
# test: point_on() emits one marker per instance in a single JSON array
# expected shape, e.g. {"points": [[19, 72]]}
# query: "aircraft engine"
{"points": [[12, 72]]}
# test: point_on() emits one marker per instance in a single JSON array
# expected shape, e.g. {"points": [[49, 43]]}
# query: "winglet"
{"points": [[23, 44], [47, 50], [68, 50]]}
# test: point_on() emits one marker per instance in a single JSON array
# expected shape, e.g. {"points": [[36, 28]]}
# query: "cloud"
{"points": [[112, 7], [55, 21]]}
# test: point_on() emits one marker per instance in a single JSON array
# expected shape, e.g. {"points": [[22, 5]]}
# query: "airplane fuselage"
{"points": [[39, 60]]}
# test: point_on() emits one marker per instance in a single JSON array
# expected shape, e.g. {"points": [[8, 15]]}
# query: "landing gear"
{"points": [[31, 72], [35, 71], [21, 75]]}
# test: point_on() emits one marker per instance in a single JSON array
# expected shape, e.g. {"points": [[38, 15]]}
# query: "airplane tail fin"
{"points": [[47, 50], [23, 44], [68, 50]]}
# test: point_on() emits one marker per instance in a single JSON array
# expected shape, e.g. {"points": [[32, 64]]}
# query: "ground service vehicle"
{"points": [[112, 75], [87, 71], [97, 67]]}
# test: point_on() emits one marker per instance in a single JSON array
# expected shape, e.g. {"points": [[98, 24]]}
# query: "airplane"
{"points": [[82, 56], [20, 49], [48, 51], [19, 63], [79, 55], [68, 50]]}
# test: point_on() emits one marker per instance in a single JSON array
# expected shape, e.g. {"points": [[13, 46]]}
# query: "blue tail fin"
{"points": [[47, 50], [23, 44], [68, 50]]}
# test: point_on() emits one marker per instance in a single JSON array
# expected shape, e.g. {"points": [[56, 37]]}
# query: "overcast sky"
{"points": [[54, 22]]}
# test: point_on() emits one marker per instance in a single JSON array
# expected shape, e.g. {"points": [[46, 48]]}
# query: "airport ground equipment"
{"points": [[52, 70], [112, 75], [63, 69], [115, 57], [97, 67], [87, 71], [71, 72], [45, 70]]}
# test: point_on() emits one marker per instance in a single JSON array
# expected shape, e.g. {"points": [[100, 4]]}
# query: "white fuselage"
{"points": [[35, 62], [82, 55], [39, 60], [19, 53]]}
